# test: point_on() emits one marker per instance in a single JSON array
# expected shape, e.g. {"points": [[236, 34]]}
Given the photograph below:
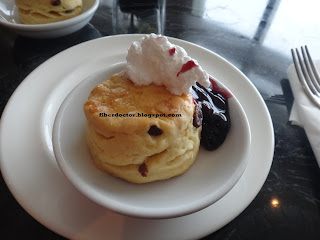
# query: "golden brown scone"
{"points": [[47, 11], [123, 147], [156, 167]]}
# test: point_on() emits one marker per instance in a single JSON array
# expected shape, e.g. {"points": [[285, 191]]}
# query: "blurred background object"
{"points": [[138, 16]]}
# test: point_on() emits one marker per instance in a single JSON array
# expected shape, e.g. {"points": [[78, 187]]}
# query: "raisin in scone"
{"points": [[47, 11]]}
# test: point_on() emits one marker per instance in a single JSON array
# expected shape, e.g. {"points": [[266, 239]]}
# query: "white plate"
{"points": [[32, 175], [9, 17], [213, 174]]}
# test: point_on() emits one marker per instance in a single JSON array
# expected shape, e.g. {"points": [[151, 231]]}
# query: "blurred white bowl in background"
{"points": [[9, 18]]}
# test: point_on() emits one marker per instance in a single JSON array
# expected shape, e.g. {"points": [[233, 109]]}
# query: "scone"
{"points": [[142, 141], [47, 11]]}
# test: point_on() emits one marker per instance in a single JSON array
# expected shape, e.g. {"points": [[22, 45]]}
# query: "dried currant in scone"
{"points": [[143, 169], [55, 2], [155, 131]]}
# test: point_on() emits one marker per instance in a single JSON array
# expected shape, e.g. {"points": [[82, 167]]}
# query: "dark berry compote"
{"points": [[212, 112]]}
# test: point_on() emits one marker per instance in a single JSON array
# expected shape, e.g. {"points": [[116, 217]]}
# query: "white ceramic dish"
{"points": [[9, 18], [212, 175], [30, 170]]}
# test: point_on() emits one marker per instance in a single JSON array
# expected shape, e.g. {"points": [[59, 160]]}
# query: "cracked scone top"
{"points": [[47, 11]]}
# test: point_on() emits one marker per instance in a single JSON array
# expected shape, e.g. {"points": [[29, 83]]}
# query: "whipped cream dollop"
{"points": [[153, 59]]}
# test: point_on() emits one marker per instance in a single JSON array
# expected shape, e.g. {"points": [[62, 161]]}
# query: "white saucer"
{"points": [[32, 175]]}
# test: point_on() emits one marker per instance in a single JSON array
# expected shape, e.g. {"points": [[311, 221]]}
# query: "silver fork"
{"points": [[307, 74]]}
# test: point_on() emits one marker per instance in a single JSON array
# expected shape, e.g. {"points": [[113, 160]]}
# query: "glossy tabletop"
{"points": [[256, 37]]}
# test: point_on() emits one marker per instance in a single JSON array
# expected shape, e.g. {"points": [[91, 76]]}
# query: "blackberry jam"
{"points": [[213, 103]]}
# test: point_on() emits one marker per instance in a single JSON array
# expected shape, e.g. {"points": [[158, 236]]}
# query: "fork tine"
{"points": [[307, 72], [316, 79], [296, 65]]}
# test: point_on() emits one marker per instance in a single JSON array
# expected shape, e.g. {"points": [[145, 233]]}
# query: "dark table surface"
{"points": [[255, 36]]}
